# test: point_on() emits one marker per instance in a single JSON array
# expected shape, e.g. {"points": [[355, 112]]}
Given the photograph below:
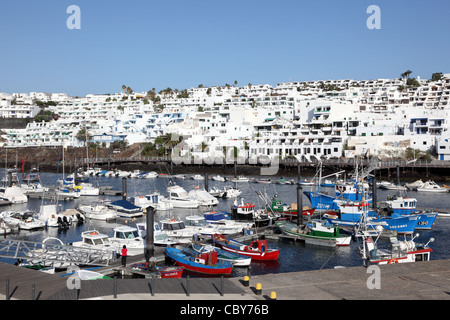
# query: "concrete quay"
{"points": [[408, 281]]}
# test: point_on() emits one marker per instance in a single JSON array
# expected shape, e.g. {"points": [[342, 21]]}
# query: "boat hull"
{"points": [[181, 260]]}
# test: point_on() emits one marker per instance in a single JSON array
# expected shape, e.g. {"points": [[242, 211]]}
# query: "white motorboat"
{"points": [[392, 186], [125, 209], [218, 178], [414, 185], [129, 237], [160, 238], [431, 186], [154, 200], [32, 184], [13, 194], [231, 192], [25, 220], [203, 197], [135, 173], [240, 179], [179, 176], [216, 192], [98, 211], [176, 229], [150, 175], [121, 174], [86, 189], [52, 218], [198, 177], [204, 227], [179, 198], [93, 239], [73, 215]]}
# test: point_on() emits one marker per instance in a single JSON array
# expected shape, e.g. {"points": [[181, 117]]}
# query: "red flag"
{"points": [[23, 164]]}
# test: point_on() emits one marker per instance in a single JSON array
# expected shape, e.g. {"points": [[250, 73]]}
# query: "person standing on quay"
{"points": [[124, 256]]}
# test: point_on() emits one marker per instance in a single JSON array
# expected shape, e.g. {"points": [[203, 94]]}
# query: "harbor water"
{"points": [[293, 257]]}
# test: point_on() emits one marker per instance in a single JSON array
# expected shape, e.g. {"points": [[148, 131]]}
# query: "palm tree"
{"points": [[406, 74]]}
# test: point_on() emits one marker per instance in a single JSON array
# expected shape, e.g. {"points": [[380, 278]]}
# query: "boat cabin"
{"points": [[258, 245], [207, 258], [94, 238], [196, 221], [126, 233], [401, 205], [171, 225]]}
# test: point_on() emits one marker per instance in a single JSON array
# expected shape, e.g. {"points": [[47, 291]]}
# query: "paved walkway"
{"points": [[409, 281]]}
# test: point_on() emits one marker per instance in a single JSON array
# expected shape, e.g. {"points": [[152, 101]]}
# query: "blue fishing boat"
{"points": [[206, 263], [235, 259], [406, 206], [350, 213], [343, 191]]}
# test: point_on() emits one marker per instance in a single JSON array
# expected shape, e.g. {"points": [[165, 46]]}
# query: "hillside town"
{"points": [[308, 121]]}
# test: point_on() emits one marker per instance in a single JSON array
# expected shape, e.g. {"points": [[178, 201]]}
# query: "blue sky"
{"points": [[180, 44]]}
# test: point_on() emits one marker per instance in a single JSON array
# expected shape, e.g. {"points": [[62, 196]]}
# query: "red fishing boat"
{"points": [[257, 250], [163, 272]]}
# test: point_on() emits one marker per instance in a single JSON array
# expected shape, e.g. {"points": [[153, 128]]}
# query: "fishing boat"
{"points": [[405, 251], [128, 236], [407, 206], [235, 259], [343, 191], [247, 212], [205, 263], [349, 215], [160, 238], [179, 198], [165, 272], [319, 232], [431, 186], [257, 250], [278, 206], [98, 211]]}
